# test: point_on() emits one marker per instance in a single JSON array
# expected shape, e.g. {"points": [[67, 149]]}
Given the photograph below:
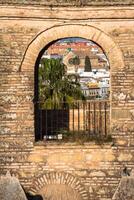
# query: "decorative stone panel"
{"points": [[60, 185]]}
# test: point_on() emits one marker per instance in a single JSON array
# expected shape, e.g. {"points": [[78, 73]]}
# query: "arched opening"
{"points": [[44, 38], [72, 79]]}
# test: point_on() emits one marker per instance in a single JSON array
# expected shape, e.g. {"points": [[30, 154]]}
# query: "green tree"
{"points": [[88, 67], [55, 86], [75, 61]]}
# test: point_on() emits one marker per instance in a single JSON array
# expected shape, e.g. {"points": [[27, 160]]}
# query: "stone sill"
{"points": [[74, 3], [71, 145]]}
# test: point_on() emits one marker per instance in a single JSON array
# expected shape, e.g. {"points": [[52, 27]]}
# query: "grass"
{"points": [[84, 137]]}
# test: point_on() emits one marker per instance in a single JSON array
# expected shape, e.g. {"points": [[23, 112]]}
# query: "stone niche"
{"points": [[59, 191], [59, 185]]}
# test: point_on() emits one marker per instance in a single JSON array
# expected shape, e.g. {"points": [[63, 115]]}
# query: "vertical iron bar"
{"points": [[62, 121], [56, 120], [86, 120], [49, 119], [68, 117], [94, 118], [46, 122], [97, 117], [52, 123], [78, 117], [73, 116], [83, 105], [105, 118], [100, 119], [89, 119]]}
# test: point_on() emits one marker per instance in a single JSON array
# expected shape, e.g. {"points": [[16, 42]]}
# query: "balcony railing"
{"points": [[86, 117]]}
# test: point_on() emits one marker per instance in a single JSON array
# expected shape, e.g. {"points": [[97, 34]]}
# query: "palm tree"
{"points": [[55, 86]]}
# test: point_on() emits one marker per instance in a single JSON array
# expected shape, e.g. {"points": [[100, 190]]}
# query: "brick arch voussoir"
{"points": [[111, 49], [59, 178]]}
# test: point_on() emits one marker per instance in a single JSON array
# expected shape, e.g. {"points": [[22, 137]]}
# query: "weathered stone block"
{"points": [[125, 190], [125, 157], [10, 188]]}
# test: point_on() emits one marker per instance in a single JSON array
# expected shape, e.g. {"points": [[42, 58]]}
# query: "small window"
{"points": [[72, 91]]}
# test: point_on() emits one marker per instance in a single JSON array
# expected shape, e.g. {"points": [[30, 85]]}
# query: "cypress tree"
{"points": [[88, 67]]}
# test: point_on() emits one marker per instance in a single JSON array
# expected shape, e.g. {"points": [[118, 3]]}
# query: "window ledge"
{"points": [[61, 144]]}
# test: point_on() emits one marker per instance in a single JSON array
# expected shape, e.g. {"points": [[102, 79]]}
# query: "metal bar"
{"points": [[56, 121], [97, 118], [100, 119], [73, 116], [83, 116], [68, 117], [89, 123], [93, 115], [86, 118], [105, 118], [78, 117], [46, 124], [94, 118], [52, 128], [62, 110]]}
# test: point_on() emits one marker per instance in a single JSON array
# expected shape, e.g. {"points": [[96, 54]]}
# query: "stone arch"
{"points": [[111, 49], [59, 180]]}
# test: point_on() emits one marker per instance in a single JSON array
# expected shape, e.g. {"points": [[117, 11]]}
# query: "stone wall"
{"points": [[69, 2], [24, 31]]}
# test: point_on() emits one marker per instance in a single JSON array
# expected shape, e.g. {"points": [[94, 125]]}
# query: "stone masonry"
{"points": [[26, 27], [10, 188]]}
